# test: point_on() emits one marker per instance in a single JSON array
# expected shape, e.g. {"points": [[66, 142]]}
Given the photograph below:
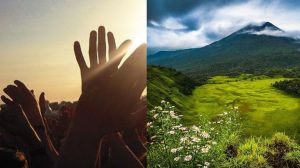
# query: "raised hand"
{"points": [[14, 120], [22, 95], [103, 83], [97, 55], [109, 96], [46, 139], [25, 97]]}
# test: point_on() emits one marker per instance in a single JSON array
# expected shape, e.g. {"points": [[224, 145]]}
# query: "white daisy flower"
{"points": [[188, 158]]}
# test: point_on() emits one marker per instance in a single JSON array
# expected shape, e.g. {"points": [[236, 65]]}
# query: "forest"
{"points": [[289, 86]]}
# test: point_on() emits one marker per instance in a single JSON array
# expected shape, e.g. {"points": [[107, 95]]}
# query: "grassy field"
{"points": [[264, 109]]}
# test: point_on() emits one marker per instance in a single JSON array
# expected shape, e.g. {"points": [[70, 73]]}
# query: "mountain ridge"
{"points": [[238, 52]]}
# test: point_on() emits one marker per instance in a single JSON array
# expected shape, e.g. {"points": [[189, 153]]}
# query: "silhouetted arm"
{"points": [[21, 94], [107, 91]]}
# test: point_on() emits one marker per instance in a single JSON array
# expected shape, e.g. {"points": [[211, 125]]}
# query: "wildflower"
{"points": [[214, 143], [205, 134], [155, 116], [204, 150], [173, 115], [195, 139], [195, 128], [188, 158], [171, 132], [163, 102], [174, 150], [178, 149], [206, 164], [176, 158], [153, 137], [183, 139], [149, 124]]}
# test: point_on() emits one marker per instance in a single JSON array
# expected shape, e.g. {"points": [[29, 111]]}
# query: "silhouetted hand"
{"points": [[97, 55], [25, 97], [22, 95], [14, 120], [109, 94], [52, 151]]}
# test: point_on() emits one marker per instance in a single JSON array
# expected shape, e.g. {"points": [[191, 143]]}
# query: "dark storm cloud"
{"points": [[158, 10], [174, 24]]}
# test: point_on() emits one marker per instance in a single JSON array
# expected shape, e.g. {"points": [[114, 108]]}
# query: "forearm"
{"points": [[79, 149], [50, 149], [121, 155], [38, 156]]}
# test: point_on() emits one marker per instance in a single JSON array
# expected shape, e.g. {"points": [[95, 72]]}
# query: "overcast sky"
{"points": [[36, 39], [178, 24]]}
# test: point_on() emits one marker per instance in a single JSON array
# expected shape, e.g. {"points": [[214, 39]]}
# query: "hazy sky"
{"points": [[178, 24], [36, 39]]}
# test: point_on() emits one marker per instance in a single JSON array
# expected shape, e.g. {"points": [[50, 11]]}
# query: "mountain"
{"points": [[252, 49], [259, 28]]}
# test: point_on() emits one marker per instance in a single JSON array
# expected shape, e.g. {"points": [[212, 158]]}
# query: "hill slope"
{"points": [[249, 50], [167, 84]]}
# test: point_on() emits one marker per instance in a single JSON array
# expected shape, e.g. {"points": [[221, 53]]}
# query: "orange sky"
{"points": [[36, 39]]}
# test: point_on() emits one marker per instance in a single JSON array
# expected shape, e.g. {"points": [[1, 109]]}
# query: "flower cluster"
{"points": [[180, 143]]}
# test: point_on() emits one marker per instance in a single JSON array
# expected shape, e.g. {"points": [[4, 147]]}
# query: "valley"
{"points": [[264, 110]]}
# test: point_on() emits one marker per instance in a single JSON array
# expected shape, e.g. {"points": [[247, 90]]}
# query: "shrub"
{"points": [[250, 154], [281, 151]]}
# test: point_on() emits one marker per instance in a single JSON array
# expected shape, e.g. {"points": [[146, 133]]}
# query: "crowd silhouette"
{"points": [[106, 127]]}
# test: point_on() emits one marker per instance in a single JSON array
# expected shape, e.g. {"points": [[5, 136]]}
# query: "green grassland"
{"points": [[264, 109], [226, 122]]}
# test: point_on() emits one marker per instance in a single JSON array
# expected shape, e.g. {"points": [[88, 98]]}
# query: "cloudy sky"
{"points": [[36, 39], [178, 24]]}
